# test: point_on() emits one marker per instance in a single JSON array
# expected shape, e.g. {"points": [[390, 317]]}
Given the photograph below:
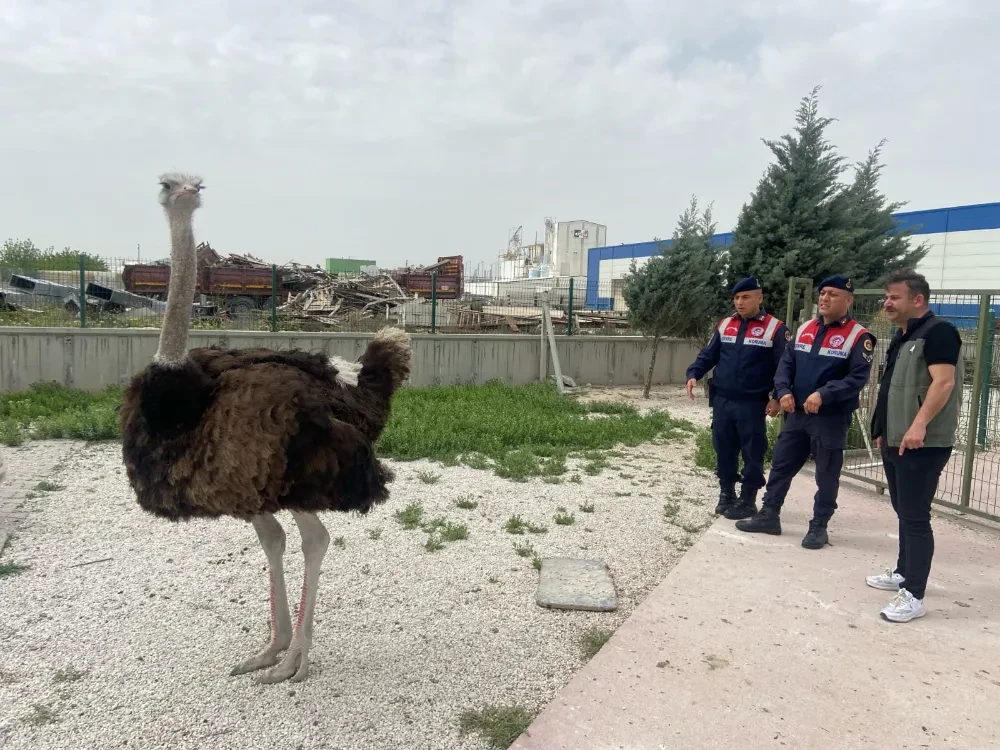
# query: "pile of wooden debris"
{"points": [[334, 298]]}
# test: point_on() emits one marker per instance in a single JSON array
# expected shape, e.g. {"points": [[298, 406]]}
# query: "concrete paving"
{"points": [[753, 641]]}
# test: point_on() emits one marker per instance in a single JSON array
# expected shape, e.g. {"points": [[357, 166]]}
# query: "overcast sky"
{"points": [[399, 131]]}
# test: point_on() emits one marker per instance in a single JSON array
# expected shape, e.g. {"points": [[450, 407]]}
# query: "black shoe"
{"points": [[817, 537], [764, 522], [727, 497], [745, 508]]}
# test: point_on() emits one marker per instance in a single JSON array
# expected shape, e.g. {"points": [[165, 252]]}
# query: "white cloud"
{"points": [[401, 131]]}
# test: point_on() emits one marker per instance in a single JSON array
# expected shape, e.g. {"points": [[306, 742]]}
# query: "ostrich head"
{"points": [[180, 192]]}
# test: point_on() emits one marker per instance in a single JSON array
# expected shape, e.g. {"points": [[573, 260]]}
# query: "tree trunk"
{"points": [[652, 363]]}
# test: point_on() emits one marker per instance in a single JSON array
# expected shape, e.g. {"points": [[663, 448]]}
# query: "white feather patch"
{"points": [[347, 372]]}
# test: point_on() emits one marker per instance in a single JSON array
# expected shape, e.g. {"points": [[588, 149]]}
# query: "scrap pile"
{"points": [[334, 299]]}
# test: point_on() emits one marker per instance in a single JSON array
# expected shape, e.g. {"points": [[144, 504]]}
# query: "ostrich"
{"points": [[245, 433]]}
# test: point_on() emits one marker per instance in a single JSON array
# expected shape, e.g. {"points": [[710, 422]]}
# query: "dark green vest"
{"points": [[908, 389]]}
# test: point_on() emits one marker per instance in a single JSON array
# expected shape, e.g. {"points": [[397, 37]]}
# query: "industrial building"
{"points": [[963, 241], [349, 265]]}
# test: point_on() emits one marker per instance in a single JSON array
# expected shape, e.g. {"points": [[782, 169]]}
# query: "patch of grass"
{"points": [[40, 715], [375, 533], [454, 532], [586, 507], [517, 525], [593, 640], [10, 568], [670, 509], [564, 519], [433, 543], [524, 549], [531, 428], [576, 479], [67, 675], [466, 502], [499, 726], [339, 542], [51, 411], [47, 486], [536, 562], [428, 477], [411, 516]]}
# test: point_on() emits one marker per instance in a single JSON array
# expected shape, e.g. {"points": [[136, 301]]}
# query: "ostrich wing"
{"points": [[270, 441]]}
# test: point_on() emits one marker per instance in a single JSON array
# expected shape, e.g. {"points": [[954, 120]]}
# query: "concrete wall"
{"points": [[94, 358]]}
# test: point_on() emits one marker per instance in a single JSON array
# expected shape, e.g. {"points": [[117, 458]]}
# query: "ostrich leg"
{"points": [[315, 541], [272, 539]]}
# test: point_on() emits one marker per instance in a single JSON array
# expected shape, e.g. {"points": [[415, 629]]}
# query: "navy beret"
{"points": [[837, 282], [747, 285]]}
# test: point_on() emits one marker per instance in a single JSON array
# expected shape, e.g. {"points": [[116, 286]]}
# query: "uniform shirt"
{"points": [[745, 354], [833, 360], [942, 345]]}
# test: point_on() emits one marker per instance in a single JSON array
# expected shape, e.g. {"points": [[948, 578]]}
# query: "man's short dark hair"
{"points": [[915, 282]]}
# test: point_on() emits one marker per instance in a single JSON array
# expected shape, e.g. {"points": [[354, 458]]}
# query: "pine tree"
{"points": [[795, 223], [680, 292], [877, 246]]}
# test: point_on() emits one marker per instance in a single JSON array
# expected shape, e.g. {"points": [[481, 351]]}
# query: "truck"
{"points": [[450, 278], [240, 289]]}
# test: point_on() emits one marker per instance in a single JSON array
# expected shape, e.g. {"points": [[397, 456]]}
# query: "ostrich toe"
{"points": [[294, 667], [266, 658]]}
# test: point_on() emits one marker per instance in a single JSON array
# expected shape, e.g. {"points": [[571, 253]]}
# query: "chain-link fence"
{"points": [[971, 480], [126, 293]]}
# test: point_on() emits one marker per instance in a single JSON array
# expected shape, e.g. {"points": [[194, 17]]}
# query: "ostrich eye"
{"points": [[165, 185]]}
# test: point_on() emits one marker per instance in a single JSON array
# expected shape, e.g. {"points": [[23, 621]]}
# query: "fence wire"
{"points": [[127, 293], [971, 479]]}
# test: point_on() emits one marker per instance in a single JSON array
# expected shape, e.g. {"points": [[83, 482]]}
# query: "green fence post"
{"points": [[987, 368], [83, 290], [983, 336], [569, 310], [434, 301], [274, 298]]}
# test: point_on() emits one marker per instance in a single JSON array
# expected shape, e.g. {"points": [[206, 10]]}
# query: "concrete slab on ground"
{"points": [[571, 583], [753, 641]]}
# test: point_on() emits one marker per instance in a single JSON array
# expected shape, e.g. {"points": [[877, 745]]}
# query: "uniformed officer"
{"points": [[744, 350], [817, 382]]}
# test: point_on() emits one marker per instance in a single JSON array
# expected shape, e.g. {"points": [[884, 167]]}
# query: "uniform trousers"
{"points": [[823, 436], [739, 427]]}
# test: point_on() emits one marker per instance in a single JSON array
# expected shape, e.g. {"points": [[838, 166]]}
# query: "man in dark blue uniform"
{"points": [[817, 383], [744, 350]]}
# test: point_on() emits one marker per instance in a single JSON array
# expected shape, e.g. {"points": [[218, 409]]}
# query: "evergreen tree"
{"points": [[877, 247], [796, 222], [679, 293], [802, 221]]}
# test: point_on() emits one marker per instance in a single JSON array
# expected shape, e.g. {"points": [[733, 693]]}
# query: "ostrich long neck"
{"points": [[183, 281]]}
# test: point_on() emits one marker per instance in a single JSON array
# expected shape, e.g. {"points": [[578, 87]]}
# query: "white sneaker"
{"points": [[888, 581], [903, 608]]}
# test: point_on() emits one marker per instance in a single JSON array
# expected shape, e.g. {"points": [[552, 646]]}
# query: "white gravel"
{"points": [[405, 639]]}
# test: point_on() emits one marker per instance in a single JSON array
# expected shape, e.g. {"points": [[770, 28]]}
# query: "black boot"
{"points": [[817, 537], [746, 506], [727, 497], [764, 522]]}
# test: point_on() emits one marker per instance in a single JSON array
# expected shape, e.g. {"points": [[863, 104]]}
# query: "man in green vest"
{"points": [[914, 423]]}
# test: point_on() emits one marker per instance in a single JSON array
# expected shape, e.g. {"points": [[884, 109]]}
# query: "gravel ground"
{"points": [[135, 651]]}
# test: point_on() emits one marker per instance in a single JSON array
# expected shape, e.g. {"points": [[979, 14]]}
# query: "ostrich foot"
{"points": [[266, 658], [294, 667]]}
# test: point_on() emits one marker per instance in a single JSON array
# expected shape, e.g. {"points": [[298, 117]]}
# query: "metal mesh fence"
{"points": [[127, 293], [971, 480]]}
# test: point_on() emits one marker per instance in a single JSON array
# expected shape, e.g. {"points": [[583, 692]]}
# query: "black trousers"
{"points": [[739, 426], [913, 480], [823, 436]]}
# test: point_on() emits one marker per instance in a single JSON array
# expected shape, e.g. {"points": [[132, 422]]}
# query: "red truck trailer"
{"points": [[239, 289], [450, 277]]}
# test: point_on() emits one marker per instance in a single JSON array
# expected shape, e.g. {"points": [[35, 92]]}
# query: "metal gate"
{"points": [[971, 480]]}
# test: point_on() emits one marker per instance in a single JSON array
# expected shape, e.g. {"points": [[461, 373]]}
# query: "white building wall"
{"points": [[961, 260], [571, 251]]}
